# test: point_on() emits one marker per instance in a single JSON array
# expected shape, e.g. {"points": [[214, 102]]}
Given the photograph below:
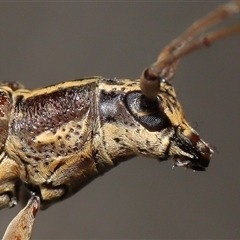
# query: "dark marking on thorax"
{"points": [[51, 110]]}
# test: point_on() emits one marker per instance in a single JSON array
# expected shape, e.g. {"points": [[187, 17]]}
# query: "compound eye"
{"points": [[148, 114]]}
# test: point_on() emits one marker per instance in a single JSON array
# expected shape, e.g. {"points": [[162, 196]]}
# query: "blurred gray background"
{"points": [[46, 43]]}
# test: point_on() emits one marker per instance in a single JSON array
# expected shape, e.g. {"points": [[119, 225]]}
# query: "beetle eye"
{"points": [[148, 114]]}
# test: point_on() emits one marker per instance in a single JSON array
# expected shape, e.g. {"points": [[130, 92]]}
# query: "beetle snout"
{"points": [[197, 153], [203, 151], [203, 148]]}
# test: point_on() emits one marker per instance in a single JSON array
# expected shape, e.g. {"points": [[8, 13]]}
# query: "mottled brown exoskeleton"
{"points": [[57, 139]]}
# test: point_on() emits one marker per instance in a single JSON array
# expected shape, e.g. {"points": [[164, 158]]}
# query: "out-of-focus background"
{"points": [[46, 43]]}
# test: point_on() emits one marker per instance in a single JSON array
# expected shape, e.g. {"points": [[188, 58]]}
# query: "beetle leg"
{"points": [[9, 179], [22, 225]]}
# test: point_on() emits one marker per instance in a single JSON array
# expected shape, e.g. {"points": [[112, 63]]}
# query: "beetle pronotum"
{"points": [[57, 156]]}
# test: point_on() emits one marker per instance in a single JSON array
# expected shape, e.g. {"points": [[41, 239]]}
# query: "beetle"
{"points": [[62, 137], [57, 139]]}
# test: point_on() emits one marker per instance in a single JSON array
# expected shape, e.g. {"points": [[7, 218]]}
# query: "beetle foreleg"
{"points": [[9, 178]]}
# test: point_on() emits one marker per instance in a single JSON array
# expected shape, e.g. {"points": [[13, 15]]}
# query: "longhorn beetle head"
{"points": [[185, 145], [161, 131]]}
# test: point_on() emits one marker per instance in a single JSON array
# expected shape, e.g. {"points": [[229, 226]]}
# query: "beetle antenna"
{"points": [[191, 40]]}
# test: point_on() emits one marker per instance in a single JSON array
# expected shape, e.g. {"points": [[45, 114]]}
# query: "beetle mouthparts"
{"points": [[188, 163], [197, 153]]}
